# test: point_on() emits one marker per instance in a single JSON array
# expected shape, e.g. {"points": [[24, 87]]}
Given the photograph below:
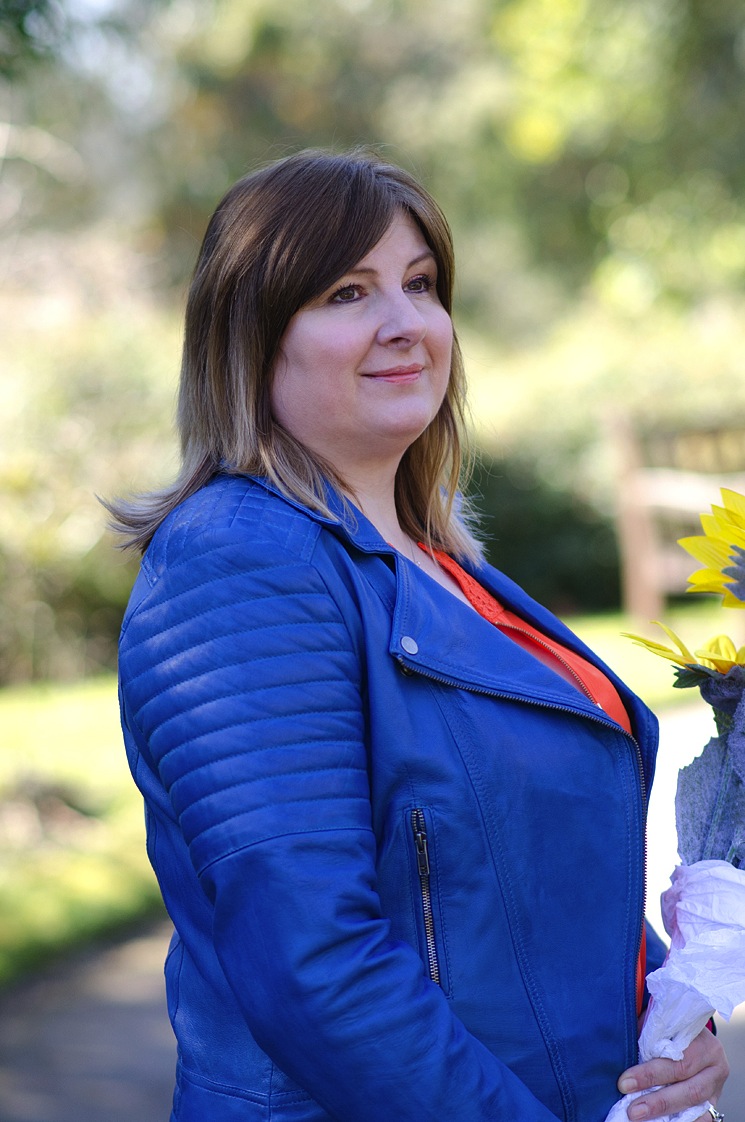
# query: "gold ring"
{"points": [[716, 1114]]}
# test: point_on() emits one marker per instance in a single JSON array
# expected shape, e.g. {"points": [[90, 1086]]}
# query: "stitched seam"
{"points": [[239, 575], [205, 612], [256, 660], [287, 834], [269, 1090], [260, 779], [207, 543], [248, 661], [177, 980], [243, 812], [149, 570], [258, 504], [438, 897], [492, 838], [226, 1089], [252, 723]]}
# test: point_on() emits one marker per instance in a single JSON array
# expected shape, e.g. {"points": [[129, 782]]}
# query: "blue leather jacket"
{"points": [[404, 859]]}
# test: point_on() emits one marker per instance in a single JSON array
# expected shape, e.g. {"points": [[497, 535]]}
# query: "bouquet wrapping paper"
{"points": [[704, 909]]}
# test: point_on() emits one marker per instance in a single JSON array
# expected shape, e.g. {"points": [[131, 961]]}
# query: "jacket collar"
{"points": [[434, 633]]}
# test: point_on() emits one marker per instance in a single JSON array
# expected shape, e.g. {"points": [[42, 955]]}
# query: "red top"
{"points": [[572, 667]]}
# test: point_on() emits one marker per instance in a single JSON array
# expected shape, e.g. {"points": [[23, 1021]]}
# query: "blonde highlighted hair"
{"points": [[279, 238]]}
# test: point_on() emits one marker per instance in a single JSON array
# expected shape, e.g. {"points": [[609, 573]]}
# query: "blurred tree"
{"points": [[572, 142], [27, 27], [590, 156]]}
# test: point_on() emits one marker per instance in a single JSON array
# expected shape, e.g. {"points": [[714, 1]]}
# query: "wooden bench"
{"points": [[667, 478]]}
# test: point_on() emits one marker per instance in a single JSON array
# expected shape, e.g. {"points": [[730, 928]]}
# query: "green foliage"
{"points": [[26, 29], [562, 548], [590, 156], [572, 142], [87, 399], [72, 854], [686, 677]]}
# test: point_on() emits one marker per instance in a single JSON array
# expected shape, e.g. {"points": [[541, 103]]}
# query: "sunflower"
{"points": [[682, 656], [721, 550], [718, 654]]}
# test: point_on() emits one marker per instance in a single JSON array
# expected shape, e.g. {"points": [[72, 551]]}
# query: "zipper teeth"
{"points": [[599, 717], [419, 828], [555, 654]]}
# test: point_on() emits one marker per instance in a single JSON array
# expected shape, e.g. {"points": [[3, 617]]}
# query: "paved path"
{"points": [[90, 1042]]}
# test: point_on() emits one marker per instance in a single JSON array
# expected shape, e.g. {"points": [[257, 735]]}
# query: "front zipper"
{"points": [[409, 668], [501, 626], [419, 830], [600, 716], [642, 782]]}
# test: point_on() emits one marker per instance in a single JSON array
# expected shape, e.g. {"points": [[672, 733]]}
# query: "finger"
{"points": [[704, 1055], [655, 1073], [667, 1101]]}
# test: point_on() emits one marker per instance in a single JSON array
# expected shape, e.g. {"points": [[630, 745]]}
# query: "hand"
{"points": [[698, 1077]]}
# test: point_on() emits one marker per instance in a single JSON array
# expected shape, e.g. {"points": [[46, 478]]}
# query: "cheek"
{"points": [[288, 393], [443, 335]]}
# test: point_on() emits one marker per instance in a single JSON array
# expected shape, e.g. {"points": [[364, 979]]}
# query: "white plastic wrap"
{"points": [[704, 915]]}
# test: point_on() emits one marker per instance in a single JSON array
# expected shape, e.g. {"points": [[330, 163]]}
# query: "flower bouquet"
{"points": [[704, 909]]}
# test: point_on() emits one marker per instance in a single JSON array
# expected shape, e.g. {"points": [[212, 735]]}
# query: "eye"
{"points": [[423, 282], [346, 294]]}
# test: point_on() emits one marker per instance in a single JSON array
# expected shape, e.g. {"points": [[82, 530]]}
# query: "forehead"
{"points": [[402, 241]]}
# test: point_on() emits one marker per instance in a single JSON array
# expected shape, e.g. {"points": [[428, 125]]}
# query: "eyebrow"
{"points": [[427, 253]]}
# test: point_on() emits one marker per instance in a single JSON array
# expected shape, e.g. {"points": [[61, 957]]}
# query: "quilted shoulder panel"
{"points": [[232, 502], [241, 677]]}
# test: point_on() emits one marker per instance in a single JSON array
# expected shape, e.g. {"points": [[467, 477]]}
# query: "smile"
{"points": [[400, 374]]}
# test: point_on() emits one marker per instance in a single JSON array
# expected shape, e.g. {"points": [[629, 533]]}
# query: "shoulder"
{"points": [[238, 542], [232, 512]]}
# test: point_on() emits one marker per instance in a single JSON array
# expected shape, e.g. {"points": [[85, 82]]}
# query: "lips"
{"points": [[408, 373]]}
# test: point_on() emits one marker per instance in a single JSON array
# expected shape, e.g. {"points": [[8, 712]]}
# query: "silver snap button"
{"points": [[410, 645]]}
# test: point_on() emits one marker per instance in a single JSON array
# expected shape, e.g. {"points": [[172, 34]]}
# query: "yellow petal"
{"points": [[723, 528], [721, 646], [735, 505], [683, 658], [713, 554], [713, 526], [676, 639], [720, 654], [731, 601], [707, 580], [721, 665]]}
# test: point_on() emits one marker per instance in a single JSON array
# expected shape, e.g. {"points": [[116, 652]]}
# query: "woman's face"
{"points": [[362, 370]]}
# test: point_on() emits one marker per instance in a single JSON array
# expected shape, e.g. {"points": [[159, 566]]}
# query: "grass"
{"points": [[73, 863], [72, 848], [650, 677]]}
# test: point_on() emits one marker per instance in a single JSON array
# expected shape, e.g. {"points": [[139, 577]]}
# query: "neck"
{"points": [[375, 495]]}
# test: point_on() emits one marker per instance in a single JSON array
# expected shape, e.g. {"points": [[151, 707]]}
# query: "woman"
{"points": [[400, 841]]}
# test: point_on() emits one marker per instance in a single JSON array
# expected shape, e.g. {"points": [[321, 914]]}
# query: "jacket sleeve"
{"points": [[242, 674]]}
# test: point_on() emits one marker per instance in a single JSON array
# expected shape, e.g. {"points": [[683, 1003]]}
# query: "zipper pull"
{"points": [[422, 851]]}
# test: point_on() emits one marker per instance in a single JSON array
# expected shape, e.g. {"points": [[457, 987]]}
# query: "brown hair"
{"points": [[278, 239]]}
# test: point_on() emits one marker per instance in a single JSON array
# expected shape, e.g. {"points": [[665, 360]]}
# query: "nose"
{"points": [[402, 323]]}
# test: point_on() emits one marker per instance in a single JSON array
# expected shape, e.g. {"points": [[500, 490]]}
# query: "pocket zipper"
{"points": [[419, 829], [599, 716]]}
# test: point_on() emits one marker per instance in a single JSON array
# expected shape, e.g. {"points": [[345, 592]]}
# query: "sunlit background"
{"points": [[590, 156]]}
